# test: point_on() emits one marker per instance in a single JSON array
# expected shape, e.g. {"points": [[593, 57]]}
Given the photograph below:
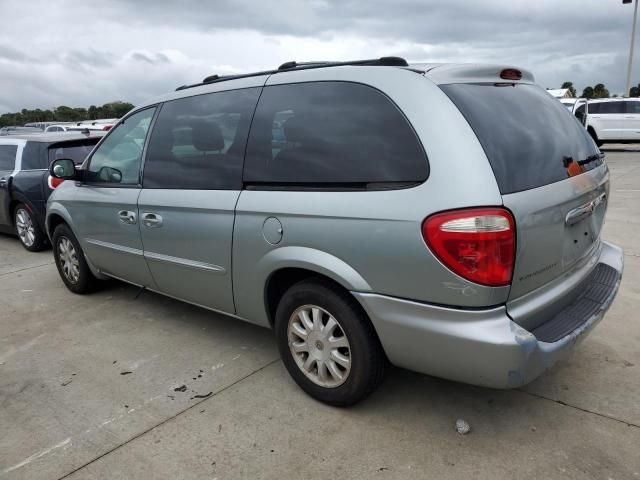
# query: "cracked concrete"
{"points": [[67, 410]]}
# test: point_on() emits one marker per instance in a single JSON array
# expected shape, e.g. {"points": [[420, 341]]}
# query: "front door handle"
{"points": [[127, 217], [151, 220]]}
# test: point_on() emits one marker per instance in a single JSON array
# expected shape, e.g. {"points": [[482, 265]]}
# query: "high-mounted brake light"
{"points": [[511, 74], [476, 243]]}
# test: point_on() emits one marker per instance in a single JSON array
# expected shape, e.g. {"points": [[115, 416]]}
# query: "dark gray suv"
{"points": [[444, 218]]}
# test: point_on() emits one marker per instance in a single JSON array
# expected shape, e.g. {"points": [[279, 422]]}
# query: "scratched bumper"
{"points": [[480, 347]]}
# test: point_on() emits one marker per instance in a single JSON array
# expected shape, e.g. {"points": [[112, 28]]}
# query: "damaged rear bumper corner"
{"points": [[480, 347]]}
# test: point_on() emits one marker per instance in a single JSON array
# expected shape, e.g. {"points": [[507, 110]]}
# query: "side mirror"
{"points": [[63, 168]]}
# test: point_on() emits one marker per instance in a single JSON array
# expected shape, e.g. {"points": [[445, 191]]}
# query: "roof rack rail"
{"points": [[382, 61], [293, 65]]}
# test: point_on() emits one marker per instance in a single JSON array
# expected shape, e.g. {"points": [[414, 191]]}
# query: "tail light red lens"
{"points": [[106, 128], [476, 243], [54, 182]]}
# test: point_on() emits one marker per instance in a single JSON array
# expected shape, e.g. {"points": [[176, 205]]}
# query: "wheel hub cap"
{"points": [[319, 346], [24, 227], [69, 263]]}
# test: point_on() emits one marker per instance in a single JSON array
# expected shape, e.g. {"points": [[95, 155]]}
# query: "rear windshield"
{"points": [[529, 137], [75, 151]]}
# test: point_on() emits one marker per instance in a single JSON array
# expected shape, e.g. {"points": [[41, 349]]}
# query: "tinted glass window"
{"points": [[8, 156], [610, 107], [117, 159], [76, 151], [199, 142], [331, 133], [632, 107], [34, 156], [530, 139], [595, 107]]}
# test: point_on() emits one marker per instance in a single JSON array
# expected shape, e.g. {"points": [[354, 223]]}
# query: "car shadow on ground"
{"points": [[402, 390]]}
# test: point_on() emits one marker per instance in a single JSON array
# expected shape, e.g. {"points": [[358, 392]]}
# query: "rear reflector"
{"points": [[511, 74], [54, 182], [476, 243]]}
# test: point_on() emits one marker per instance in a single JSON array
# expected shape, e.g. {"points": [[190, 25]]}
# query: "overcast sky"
{"points": [[79, 53]]}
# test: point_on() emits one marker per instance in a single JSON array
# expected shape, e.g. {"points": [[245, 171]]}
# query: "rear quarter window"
{"points": [[34, 156], [8, 157], [530, 139], [336, 134]]}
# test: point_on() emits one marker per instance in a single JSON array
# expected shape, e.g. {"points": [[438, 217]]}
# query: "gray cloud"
{"points": [[150, 58], [119, 50], [13, 55]]}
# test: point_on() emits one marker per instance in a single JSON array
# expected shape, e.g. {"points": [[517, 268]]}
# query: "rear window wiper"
{"points": [[567, 160], [591, 158]]}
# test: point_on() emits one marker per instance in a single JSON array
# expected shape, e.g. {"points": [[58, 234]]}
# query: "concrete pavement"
{"points": [[121, 385]]}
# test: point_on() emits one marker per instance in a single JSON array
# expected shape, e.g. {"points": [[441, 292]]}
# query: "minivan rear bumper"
{"points": [[484, 346]]}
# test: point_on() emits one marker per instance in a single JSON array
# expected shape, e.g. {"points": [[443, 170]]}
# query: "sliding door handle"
{"points": [[151, 220]]}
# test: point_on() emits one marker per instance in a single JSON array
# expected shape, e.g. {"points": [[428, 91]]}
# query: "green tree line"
{"points": [[598, 91], [65, 114]]}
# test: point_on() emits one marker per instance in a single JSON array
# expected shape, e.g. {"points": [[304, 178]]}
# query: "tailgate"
{"points": [[557, 228], [551, 177]]}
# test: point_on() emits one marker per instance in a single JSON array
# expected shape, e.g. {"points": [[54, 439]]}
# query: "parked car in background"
{"points": [[612, 120], [18, 130], [365, 211], [103, 125], [25, 184], [40, 125], [59, 127]]}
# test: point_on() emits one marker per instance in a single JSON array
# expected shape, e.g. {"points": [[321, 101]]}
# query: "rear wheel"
{"points": [[29, 232], [327, 343], [70, 261]]}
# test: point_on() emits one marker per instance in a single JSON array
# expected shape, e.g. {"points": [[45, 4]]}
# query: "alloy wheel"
{"points": [[69, 260], [319, 346], [24, 226]]}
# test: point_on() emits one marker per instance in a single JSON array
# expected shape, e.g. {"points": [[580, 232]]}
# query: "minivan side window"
{"points": [[117, 159], [607, 108], [198, 142], [335, 134], [8, 157], [632, 107]]}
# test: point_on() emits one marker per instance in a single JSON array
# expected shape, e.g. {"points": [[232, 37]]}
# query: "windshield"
{"points": [[529, 137]]}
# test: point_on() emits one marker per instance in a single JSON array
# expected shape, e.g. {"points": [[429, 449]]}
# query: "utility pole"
{"points": [[627, 91]]}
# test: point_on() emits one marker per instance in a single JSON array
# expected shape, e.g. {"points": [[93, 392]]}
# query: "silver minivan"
{"points": [[443, 218]]}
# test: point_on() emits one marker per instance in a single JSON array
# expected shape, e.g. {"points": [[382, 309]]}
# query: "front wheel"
{"points": [[594, 135], [29, 232], [70, 261], [328, 344]]}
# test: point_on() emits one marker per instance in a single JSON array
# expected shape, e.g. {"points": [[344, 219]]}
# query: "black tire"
{"points": [[85, 281], [35, 240], [593, 134], [366, 355]]}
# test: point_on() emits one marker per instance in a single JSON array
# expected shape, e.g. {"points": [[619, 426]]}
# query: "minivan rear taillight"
{"points": [[54, 182], [476, 243]]}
